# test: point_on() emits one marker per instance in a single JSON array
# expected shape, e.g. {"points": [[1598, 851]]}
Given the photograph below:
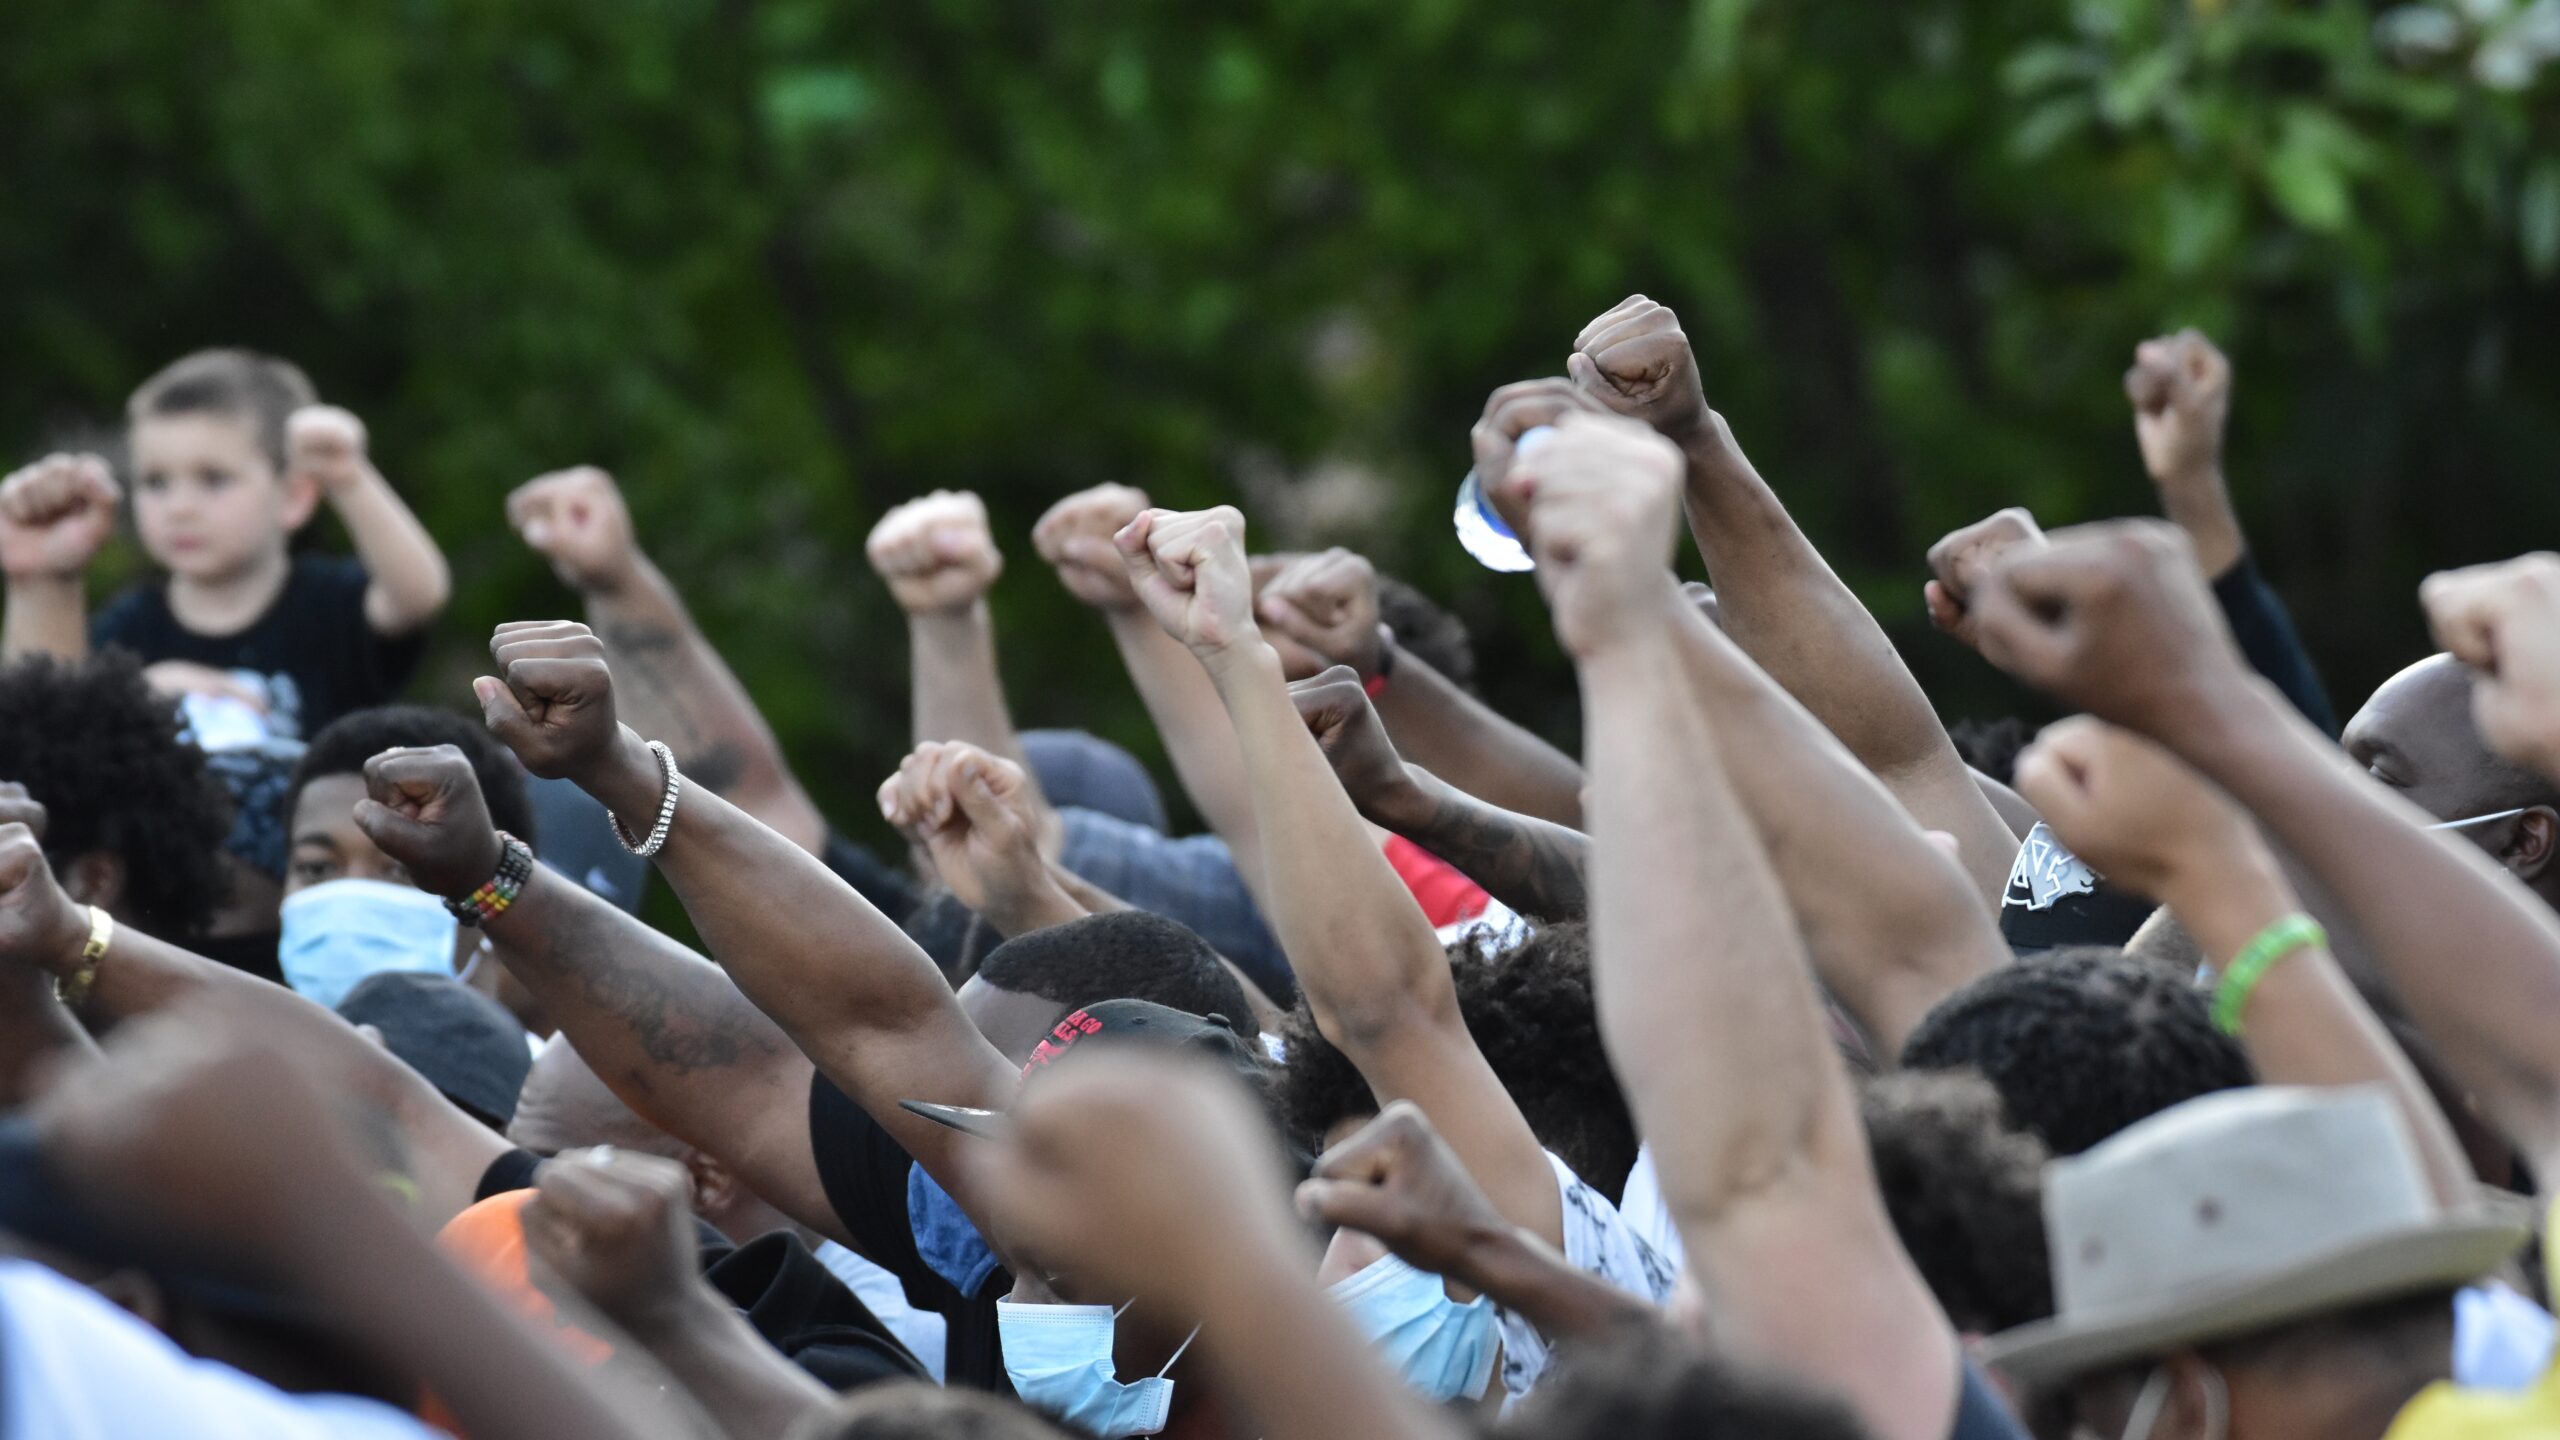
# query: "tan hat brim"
{"points": [[2449, 1253]]}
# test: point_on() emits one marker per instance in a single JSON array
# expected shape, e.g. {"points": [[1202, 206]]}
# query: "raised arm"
{"points": [[1705, 1002], [2503, 621], [54, 516], [2115, 618], [939, 560], [2153, 825], [409, 581], [673, 683], [663, 1028], [1780, 601], [1531, 865], [1371, 968], [849, 988], [1322, 610]]}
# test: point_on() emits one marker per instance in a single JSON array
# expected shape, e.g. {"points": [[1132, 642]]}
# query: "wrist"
{"points": [[626, 780], [1641, 631], [634, 575], [939, 620], [48, 584], [2228, 893], [1239, 660], [694, 1311], [1712, 454], [1404, 802], [1487, 1245]]}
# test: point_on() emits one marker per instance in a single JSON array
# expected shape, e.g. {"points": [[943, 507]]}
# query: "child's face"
{"points": [[206, 498]]}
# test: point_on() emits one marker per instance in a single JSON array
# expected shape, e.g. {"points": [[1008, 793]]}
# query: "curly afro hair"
{"points": [[101, 753], [344, 745], [1529, 1007], [2080, 1042], [1649, 1383], [1966, 1195]]}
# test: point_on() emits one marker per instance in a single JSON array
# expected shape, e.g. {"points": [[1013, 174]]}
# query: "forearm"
{"points": [[46, 615], [2305, 1024], [1532, 865], [746, 1385], [1455, 736], [1526, 1276], [2473, 956], [675, 687], [1913, 930], [956, 692], [1192, 722], [34, 1030], [410, 580], [1783, 605], [2200, 504]]}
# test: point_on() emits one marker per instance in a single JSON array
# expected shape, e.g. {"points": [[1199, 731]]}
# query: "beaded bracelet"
{"points": [[666, 808], [515, 867], [2280, 939]]}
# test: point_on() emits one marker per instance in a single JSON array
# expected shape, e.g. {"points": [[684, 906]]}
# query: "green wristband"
{"points": [[2294, 932]]}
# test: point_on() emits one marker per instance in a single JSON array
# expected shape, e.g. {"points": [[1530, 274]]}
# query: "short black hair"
{"points": [[260, 389], [1992, 746], [1120, 955], [1530, 1008], [1432, 635], [1649, 1383], [344, 745], [2080, 1042], [101, 753], [920, 1410], [1966, 1193]]}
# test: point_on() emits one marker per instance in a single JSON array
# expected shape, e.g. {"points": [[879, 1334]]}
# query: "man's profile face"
{"points": [[2417, 736]]}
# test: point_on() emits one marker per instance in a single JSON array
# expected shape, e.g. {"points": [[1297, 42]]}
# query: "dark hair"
{"points": [[346, 743], [1530, 1009], [1647, 1383], [242, 384], [1432, 635], [1966, 1195], [1992, 746], [2080, 1042], [101, 753], [919, 1410], [1120, 955]]}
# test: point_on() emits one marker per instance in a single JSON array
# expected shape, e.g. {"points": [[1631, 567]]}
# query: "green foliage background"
{"points": [[780, 263]]}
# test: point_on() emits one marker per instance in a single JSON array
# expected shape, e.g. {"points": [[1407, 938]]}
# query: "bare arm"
{"points": [[410, 581], [54, 516], [939, 560], [1469, 744]]}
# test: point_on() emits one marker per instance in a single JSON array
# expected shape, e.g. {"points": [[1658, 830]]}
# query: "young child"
{"points": [[230, 454]]}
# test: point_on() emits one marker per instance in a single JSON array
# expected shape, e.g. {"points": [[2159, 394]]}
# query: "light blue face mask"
{"points": [[1443, 1349], [1059, 1359], [339, 932]]}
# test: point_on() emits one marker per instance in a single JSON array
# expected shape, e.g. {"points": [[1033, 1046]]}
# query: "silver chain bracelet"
{"points": [[666, 808]]}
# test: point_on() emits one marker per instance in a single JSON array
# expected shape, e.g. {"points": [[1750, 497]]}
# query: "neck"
{"points": [[229, 603]]}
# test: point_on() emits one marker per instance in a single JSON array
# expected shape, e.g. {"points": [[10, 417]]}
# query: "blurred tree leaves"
{"points": [[779, 263]]}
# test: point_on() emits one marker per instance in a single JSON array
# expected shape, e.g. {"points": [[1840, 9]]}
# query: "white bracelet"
{"points": [[666, 808]]}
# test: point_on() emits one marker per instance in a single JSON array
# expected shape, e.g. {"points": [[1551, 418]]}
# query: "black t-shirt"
{"points": [[864, 1171], [312, 649]]}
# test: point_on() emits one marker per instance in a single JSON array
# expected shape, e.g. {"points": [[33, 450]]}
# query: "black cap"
{"points": [[465, 1043]]}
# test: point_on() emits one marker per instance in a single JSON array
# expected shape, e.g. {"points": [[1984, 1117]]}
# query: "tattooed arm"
{"points": [[674, 684]]}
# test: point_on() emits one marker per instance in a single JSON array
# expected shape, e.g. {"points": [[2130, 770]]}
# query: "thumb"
{"points": [[502, 713], [1352, 1205], [978, 802], [396, 834], [1585, 372]]}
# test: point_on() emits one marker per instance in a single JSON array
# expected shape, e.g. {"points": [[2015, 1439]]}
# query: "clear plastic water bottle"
{"points": [[1481, 528]]}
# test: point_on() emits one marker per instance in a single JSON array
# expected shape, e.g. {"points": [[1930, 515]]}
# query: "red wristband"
{"points": [[1376, 684]]}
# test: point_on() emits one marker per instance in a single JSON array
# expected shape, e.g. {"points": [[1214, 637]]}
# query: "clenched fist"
{"points": [[1602, 499], [976, 816], [1335, 706], [1075, 538], [55, 514], [39, 924], [2134, 811], [551, 701], [327, 444], [937, 553], [2503, 621], [618, 1228], [1636, 360], [424, 809], [1958, 563], [1189, 570], [2180, 386], [1322, 610], [1509, 413], [576, 520]]}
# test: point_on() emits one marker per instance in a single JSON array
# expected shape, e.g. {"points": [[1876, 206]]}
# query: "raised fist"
{"points": [[1959, 562], [424, 809], [936, 553], [1602, 499], [39, 924], [576, 520], [1396, 1180], [551, 700], [55, 514], [327, 444], [2503, 620], [1322, 610], [1636, 360], [2134, 811], [2113, 618], [975, 815], [617, 1227], [1188, 568], [1336, 707], [1509, 413], [1074, 537], [2180, 386]]}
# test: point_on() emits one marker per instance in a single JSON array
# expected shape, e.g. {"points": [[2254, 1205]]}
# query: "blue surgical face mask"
{"points": [[1059, 1359], [339, 932], [1444, 1350]]}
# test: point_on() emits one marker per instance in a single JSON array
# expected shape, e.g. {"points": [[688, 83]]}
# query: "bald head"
{"points": [[565, 1107], [2417, 735]]}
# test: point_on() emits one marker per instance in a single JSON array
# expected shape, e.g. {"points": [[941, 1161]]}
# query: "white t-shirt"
{"points": [[1599, 1242], [1648, 1214], [73, 1367]]}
